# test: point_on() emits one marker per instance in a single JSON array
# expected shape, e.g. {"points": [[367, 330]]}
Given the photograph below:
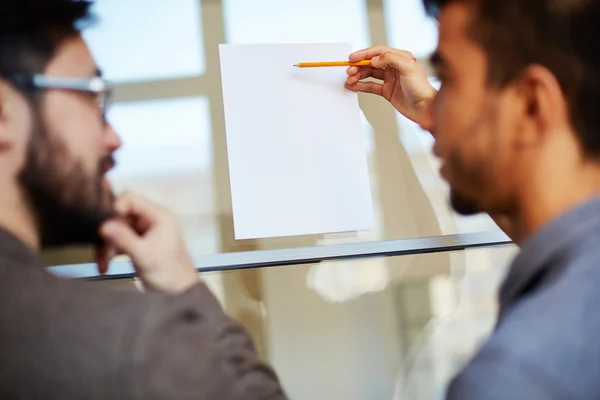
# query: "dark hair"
{"points": [[561, 35], [32, 30]]}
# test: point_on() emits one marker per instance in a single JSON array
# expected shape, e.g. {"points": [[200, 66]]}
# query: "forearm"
{"points": [[199, 352]]}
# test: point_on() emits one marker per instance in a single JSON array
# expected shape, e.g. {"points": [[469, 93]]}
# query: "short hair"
{"points": [[31, 31], [561, 35]]}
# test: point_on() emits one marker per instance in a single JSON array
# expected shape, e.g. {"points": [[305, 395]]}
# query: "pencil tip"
{"points": [[295, 65]]}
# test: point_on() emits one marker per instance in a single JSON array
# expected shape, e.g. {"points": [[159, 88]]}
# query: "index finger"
{"points": [[377, 50], [130, 205]]}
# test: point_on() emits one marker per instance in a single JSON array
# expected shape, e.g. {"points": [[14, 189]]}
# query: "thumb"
{"points": [[120, 235]]}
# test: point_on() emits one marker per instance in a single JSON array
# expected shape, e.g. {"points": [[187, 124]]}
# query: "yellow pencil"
{"points": [[336, 64], [332, 64]]}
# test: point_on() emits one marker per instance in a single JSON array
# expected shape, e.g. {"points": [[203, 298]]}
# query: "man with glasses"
{"points": [[61, 339]]}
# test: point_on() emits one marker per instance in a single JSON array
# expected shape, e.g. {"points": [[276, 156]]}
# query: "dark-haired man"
{"points": [[518, 133], [62, 339]]}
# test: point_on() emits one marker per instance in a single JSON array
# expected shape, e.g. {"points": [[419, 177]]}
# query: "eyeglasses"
{"points": [[97, 86]]}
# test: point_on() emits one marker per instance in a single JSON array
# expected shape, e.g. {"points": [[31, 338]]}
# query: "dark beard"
{"points": [[67, 203], [462, 205]]}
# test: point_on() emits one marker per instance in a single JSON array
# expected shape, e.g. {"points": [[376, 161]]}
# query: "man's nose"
{"points": [[112, 140]]}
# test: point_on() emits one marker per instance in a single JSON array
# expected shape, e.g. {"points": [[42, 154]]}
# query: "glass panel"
{"points": [[167, 155], [390, 328], [409, 27], [175, 149], [162, 139], [147, 39], [308, 21]]}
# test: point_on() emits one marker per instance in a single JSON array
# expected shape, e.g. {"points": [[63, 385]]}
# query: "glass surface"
{"points": [[162, 139], [174, 134], [409, 27], [141, 40], [382, 328], [167, 156], [307, 21]]}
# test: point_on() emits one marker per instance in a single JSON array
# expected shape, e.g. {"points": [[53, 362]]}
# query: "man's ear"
{"points": [[545, 106]]}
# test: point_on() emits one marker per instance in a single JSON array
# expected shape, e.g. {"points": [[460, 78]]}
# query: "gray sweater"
{"points": [[62, 339], [546, 345]]}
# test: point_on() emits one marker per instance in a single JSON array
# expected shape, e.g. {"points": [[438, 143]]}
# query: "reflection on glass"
{"points": [[308, 21], [139, 40], [409, 27], [403, 340]]}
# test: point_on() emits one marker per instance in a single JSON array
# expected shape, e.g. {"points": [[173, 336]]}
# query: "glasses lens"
{"points": [[104, 102]]}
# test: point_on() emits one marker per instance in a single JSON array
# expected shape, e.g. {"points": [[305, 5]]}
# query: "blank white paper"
{"points": [[295, 142]]}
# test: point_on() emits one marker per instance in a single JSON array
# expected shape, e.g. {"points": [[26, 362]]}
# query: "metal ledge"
{"points": [[303, 255]]}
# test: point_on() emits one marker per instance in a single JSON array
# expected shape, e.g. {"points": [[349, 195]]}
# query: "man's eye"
{"points": [[94, 97]]}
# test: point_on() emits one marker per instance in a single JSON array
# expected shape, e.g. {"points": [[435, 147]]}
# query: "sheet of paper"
{"points": [[295, 142]]}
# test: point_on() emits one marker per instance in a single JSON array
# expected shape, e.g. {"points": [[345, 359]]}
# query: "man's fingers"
{"points": [[351, 80], [366, 87], [370, 72], [403, 64], [364, 73], [139, 210], [102, 260], [352, 70], [104, 255], [120, 236], [377, 50]]}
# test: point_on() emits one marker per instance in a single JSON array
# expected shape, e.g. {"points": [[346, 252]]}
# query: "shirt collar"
{"points": [[13, 249], [557, 237]]}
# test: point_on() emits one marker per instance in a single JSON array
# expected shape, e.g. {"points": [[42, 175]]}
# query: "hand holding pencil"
{"points": [[399, 79]]}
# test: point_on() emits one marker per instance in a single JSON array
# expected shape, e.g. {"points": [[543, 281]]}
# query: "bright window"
{"points": [[162, 138], [138, 40], [307, 21], [409, 27]]}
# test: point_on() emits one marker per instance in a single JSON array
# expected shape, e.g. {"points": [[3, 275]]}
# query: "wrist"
{"points": [[423, 111], [184, 281], [171, 282]]}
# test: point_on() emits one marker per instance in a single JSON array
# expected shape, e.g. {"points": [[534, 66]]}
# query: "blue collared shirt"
{"points": [[546, 344]]}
